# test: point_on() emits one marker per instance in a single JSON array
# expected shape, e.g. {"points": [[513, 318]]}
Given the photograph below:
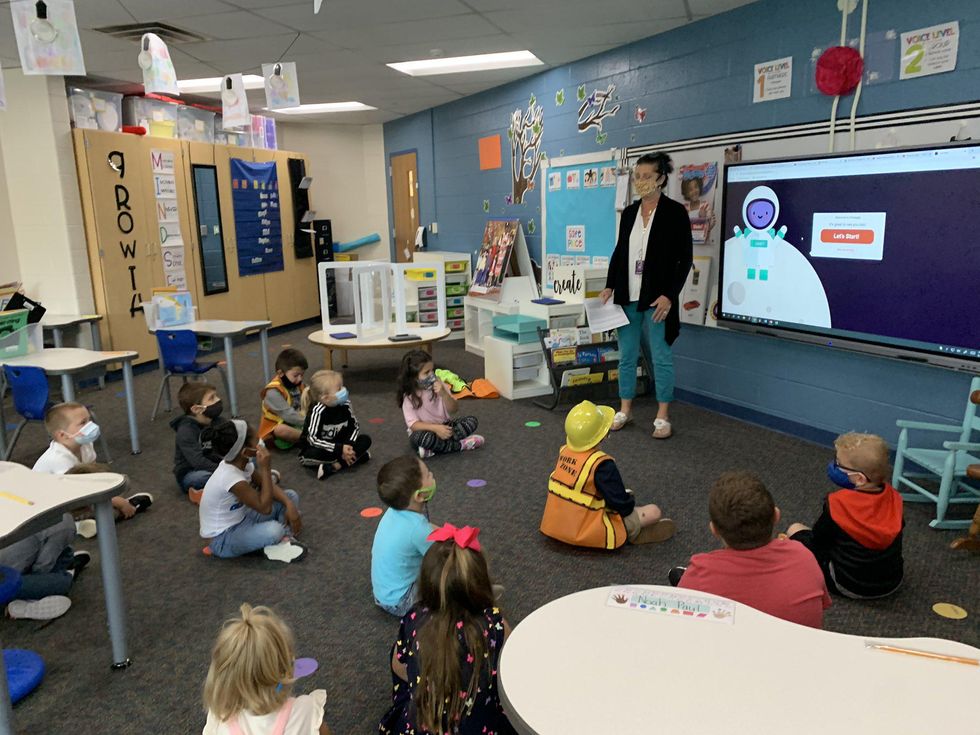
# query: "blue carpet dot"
{"points": [[120, 394], [253, 354], [11, 427]]}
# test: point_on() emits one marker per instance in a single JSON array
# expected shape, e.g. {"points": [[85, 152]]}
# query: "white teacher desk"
{"points": [[577, 666], [228, 330], [427, 340], [68, 362], [31, 501]]}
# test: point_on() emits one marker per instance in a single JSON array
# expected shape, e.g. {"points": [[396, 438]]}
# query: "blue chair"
{"points": [[948, 465], [23, 670], [29, 386], [178, 354]]}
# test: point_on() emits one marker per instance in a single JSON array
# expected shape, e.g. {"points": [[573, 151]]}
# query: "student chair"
{"points": [[22, 670], [178, 353], [948, 464], [29, 386]]}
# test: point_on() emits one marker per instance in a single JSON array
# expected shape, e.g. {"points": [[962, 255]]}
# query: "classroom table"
{"points": [[31, 501], [228, 330], [57, 323], [588, 664], [427, 341], [66, 362]]}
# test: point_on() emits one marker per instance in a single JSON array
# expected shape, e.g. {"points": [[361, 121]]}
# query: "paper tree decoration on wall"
{"points": [[281, 85], [47, 37], [594, 110], [526, 129], [234, 103], [158, 70]]}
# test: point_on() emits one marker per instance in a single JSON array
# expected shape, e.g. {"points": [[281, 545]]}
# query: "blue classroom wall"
{"points": [[696, 81]]}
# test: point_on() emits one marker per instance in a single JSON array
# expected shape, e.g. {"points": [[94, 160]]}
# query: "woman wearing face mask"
{"points": [[647, 271], [331, 437]]}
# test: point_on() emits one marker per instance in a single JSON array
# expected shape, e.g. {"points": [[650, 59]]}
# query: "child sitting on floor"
{"points": [[445, 661], [406, 486], [857, 540], [251, 678], [73, 433], [193, 462], [427, 404], [282, 419], [237, 517], [331, 437], [587, 504], [766, 574]]}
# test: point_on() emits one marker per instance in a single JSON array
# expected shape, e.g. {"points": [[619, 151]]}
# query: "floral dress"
{"points": [[486, 717]]}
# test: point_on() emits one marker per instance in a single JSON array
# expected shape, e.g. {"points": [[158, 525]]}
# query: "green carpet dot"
{"points": [[533, 424]]}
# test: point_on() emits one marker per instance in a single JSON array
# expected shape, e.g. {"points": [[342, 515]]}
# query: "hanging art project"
{"points": [[234, 103], [526, 129], [258, 226], [47, 37], [698, 193], [158, 69], [281, 85]]}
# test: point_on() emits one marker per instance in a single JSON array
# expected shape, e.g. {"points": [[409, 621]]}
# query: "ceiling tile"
{"points": [[361, 14], [236, 24], [576, 17], [485, 44], [143, 10]]}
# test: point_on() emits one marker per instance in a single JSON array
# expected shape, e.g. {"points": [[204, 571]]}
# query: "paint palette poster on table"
{"points": [[258, 226], [673, 604]]}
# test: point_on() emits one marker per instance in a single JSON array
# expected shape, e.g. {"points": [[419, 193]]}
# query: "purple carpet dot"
{"points": [[476, 483], [120, 394], [305, 667]]}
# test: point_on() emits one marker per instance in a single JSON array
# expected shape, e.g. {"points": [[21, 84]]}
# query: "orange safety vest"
{"points": [[271, 420], [575, 511]]}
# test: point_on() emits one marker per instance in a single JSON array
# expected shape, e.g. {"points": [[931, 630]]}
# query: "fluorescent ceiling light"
{"points": [[318, 107], [213, 84], [457, 64]]}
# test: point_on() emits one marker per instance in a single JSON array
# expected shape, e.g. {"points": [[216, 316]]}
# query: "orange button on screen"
{"points": [[855, 237]]}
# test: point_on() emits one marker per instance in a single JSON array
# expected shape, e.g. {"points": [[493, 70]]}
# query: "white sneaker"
{"points": [[284, 551], [47, 608], [87, 528]]}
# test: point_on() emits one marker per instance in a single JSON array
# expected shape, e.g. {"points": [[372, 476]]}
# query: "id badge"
{"points": [[638, 268]]}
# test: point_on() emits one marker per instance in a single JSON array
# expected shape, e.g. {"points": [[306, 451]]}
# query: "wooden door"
{"points": [[405, 202], [117, 212]]}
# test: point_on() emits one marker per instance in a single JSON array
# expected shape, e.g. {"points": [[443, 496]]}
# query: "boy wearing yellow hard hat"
{"points": [[588, 505]]}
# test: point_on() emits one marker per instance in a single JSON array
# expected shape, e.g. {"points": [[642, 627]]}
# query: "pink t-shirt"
{"points": [[781, 578], [432, 410]]}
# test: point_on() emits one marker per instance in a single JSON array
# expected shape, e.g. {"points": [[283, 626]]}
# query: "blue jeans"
{"points": [[644, 333], [403, 605], [196, 479], [43, 560], [255, 531]]}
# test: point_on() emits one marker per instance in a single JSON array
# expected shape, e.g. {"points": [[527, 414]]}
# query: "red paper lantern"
{"points": [[839, 70]]}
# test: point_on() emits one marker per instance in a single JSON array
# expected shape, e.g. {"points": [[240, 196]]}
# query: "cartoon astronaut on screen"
{"points": [[767, 277]]}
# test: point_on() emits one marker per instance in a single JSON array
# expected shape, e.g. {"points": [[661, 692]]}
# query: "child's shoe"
{"points": [[194, 495], [140, 501], [324, 470], [473, 441], [276, 476], [87, 528], [79, 561], [287, 550], [659, 531], [426, 453], [47, 608]]}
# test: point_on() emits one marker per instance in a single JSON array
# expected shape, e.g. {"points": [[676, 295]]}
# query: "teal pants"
{"points": [[644, 333]]}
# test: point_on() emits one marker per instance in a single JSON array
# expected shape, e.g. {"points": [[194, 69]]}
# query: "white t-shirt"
{"points": [[58, 459], [639, 237], [305, 718], [220, 508]]}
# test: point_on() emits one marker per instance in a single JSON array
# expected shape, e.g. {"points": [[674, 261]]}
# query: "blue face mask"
{"points": [[838, 476], [88, 433], [341, 396], [428, 382]]}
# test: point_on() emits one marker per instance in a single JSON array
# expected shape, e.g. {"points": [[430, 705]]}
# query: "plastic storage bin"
{"points": [[517, 328], [455, 290], [22, 341], [159, 118], [526, 373], [455, 266], [271, 142], [454, 301], [454, 323], [93, 109], [455, 313], [428, 316], [529, 359], [195, 124], [427, 293]]}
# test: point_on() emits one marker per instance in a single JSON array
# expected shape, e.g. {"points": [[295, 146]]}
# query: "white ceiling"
{"points": [[341, 53]]}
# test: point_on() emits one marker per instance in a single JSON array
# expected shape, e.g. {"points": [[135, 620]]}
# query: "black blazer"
{"points": [[669, 256]]}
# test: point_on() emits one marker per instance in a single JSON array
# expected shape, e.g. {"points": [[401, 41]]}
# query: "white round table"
{"points": [[428, 338], [580, 666]]}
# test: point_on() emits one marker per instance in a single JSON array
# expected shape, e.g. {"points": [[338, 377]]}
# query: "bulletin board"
{"points": [[578, 211]]}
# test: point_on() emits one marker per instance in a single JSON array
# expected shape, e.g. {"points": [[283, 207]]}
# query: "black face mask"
{"points": [[213, 411], [286, 382]]}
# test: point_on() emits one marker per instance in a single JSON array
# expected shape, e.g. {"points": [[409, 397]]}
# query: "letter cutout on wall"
{"points": [[258, 226]]}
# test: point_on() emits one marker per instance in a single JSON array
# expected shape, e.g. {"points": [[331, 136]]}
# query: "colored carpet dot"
{"points": [[949, 610], [376, 421], [532, 424], [371, 512], [476, 483], [305, 667]]}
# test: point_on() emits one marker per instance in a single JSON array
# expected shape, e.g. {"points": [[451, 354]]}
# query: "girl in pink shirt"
{"points": [[427, 406]]}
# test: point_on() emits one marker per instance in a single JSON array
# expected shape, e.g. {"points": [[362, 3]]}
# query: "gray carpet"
{"points": [[176, 598]]}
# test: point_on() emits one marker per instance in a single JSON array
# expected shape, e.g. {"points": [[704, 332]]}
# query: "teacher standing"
{"points": [[647, 271]]}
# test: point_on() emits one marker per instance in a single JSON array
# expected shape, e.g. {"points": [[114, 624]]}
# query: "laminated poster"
{"points": [[48, 45], [930, 50]]}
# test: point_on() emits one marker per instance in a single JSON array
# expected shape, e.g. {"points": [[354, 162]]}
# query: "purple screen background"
{"points": [[927, 286]]}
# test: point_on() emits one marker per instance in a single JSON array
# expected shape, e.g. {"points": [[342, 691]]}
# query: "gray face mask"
{"points": [[428, 382]]}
